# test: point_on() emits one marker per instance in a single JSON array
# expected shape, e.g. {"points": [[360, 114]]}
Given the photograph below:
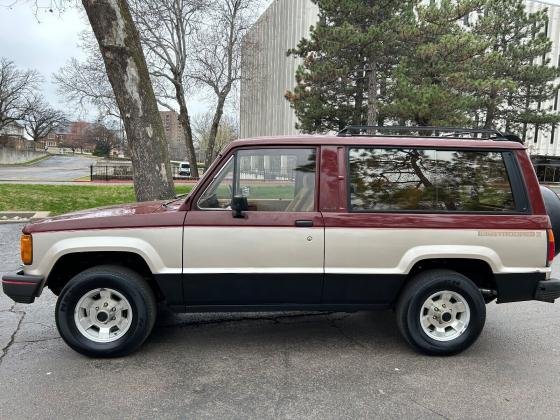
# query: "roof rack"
{"points": [[423, 131]]}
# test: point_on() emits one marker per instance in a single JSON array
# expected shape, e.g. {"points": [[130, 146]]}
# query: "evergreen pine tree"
{"points": [[348, 59], [512, 80], [428, 84]]}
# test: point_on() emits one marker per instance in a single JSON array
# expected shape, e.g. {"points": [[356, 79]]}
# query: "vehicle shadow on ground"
{"points": [[367, 329]]}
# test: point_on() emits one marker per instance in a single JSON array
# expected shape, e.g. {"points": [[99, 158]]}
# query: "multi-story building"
{"points": [[267, 73], [547, 142], [12, 136], [174, 135]]}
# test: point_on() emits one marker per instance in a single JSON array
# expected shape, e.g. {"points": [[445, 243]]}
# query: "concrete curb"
{"points": [[22, 216]]}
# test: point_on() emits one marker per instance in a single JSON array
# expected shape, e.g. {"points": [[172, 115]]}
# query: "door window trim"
{"points": [[214, 178]]}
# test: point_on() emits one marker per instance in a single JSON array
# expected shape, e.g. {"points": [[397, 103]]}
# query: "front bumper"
{"points": [[548, 290], [22, 288]]}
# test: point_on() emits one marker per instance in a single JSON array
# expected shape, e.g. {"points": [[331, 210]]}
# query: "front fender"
{"points": [[161, 248]]}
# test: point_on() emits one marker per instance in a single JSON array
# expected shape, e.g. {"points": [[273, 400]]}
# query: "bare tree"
{"points": [[16, 86], [217, 62], [125, 64], [165, 27], [102, 137], [85, 83], [228, 130], [41, 119], [187, 42]]}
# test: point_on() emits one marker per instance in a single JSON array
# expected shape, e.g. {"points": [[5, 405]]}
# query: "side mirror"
{"points": [[239, 205]]}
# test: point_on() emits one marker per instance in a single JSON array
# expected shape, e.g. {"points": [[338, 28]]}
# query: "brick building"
{"points": [[174, 135]]}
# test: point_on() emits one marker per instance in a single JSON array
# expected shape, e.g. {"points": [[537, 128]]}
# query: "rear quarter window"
{"points": [[407, 179]]}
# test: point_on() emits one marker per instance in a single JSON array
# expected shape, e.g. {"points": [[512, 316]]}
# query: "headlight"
{"points": [[26, 246]]}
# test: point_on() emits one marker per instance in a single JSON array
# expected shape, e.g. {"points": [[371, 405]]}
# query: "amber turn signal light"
{"points": [[551, 247], [26, 246]]}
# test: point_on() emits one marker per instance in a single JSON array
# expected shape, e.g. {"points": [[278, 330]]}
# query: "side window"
{"points": [[428, 180], [474, 181], [392, 179], [280, 180]]}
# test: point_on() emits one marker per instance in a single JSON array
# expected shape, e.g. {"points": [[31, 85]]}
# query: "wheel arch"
{"points": [[477, 270], [70, 264]]}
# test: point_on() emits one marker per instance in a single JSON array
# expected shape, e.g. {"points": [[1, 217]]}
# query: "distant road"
{"points": [[55, 168]]}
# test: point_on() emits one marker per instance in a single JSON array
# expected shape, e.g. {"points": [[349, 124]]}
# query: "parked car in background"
{"points": [[184, 170], [432, 227]]}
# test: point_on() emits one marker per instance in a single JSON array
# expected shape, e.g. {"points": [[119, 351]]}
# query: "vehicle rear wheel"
{"points": [[441, 312], [106, 311]]}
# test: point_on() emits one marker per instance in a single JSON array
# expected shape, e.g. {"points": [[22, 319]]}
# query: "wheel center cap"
{"points": [[446, 317], [102, 316]]}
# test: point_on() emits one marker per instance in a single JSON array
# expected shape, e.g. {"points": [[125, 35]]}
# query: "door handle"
{"points": [[304, 223]]}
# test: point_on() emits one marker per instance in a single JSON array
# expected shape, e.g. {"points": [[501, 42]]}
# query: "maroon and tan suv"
{"points": [[431, 223]]}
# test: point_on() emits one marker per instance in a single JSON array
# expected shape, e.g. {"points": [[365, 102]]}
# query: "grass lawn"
{"points": [[60, 199]]}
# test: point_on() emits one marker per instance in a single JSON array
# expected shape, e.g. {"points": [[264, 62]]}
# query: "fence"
{"points": [[267, 175], [548, 173], [121, 172]]}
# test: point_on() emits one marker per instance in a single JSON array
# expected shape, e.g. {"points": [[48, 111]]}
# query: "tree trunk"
{"points": [[185, 121], [490, 111], [358, 113], [210, 155], [373, 110], [126, 69]]}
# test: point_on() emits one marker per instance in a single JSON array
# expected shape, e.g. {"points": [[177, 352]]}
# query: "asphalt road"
{"points": [[278, 366], [55, 168]]}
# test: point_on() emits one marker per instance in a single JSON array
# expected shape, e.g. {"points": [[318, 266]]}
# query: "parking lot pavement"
{"points": [[55, 168], [278, 365]]}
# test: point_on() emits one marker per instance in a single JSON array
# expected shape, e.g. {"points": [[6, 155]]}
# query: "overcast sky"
{"points": [[44, 41], [41, 40]]}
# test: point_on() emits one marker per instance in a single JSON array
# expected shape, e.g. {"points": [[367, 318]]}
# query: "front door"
{"points": [[273, 255]]}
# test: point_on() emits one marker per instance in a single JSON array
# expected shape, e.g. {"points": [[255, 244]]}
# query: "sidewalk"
{"points": [[63, 182]]}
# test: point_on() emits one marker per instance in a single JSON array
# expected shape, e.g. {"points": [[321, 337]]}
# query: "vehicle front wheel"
{"points": [[106, 311], [441, 312]]}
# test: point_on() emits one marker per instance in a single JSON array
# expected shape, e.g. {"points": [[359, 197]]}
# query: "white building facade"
{"points": [[547, 142], [267, 72], [13, 130]]}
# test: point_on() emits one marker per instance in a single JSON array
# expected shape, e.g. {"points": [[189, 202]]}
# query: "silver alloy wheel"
{"points": [[445, 315], [103, 315]]}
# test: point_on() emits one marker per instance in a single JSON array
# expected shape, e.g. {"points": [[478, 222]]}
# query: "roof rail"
{"points": [[423, 131]]}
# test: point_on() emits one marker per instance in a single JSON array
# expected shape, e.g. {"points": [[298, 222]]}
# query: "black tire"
{"points": [[416, 293], [126, 282]]}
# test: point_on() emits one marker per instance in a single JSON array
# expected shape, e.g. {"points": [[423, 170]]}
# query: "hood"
{"points": [[144, 214]]}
